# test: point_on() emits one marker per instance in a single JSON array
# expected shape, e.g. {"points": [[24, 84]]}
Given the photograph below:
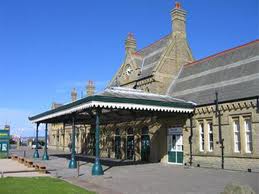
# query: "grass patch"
{"points": [[38, 185]]}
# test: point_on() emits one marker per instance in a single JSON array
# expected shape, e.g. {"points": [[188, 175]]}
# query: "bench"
{"points": [[28, 163], [14, 157], [41, 168], [25, 162], [21, 160]]}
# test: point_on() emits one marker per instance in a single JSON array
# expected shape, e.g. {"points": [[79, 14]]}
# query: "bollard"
{"points": [[2, 174], [24, 153], [78, 168]]}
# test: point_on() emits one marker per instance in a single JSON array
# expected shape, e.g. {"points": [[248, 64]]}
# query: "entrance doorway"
{"points": [[175, 146], [117, 144], [130, 144], [145, 145]]}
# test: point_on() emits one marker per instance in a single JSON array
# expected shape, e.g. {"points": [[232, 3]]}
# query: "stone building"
{"points": [[168, 68], [234, 74]]}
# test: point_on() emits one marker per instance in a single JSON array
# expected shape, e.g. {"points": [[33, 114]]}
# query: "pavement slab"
{"points": [[8, 166]]}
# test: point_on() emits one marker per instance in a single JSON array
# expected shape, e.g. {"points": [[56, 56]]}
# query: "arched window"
{"points": [[117, 131], [144, 131], [130, 131]]}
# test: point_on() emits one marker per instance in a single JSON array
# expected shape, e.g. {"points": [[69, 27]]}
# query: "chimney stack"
{"points": [[90, 88], [130, 43], [178, 20], [73, 95], [55, 105]]}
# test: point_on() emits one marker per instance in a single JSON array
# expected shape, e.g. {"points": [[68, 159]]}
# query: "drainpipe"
{"points": [[257, 104], [221, 140], [190, 137]]}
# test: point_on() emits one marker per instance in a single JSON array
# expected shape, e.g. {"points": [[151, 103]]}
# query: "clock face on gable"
{"points": [[128, 70]]}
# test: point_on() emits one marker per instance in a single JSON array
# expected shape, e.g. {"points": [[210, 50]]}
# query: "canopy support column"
{"points": [[97, 167], [36, 152], [72, 162], [45, 155]]}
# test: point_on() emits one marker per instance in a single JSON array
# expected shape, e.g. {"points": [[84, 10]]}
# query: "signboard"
{"points": [[175, 131], [4, 134], [4, 143]]}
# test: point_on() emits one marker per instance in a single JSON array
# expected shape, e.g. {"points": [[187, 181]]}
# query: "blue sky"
{"points": [[48, 47]]}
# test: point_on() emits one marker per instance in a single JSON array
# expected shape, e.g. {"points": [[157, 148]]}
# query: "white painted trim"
{"points": [[234, 134], [93, 104], [246, 130]]}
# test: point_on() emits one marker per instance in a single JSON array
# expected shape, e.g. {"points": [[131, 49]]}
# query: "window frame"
{"points": [[236, 132], [201, 139], [250, 132], [210, 131]]}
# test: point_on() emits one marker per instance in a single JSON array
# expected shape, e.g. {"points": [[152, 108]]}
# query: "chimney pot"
{"points": [[178, 20], [177, 5], [73, 95]]}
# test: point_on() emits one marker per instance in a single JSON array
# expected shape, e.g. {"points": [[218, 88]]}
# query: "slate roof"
{"points": [[149, 56], [233, 73]]}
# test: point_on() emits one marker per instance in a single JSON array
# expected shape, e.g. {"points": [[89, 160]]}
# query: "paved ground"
{"points": [[148, 178], [8, 166]]}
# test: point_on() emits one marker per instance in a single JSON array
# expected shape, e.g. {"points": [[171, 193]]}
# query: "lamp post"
{"points": [[36, 152], [72, 162], [45, 155], [97, 167], [221, 140]]}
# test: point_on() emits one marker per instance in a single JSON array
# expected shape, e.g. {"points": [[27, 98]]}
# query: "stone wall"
{"points": [[157, 126], [233, 160], [229, 163]]}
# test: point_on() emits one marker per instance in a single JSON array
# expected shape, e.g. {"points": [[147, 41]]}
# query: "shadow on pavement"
{"points": [[104, 161]]}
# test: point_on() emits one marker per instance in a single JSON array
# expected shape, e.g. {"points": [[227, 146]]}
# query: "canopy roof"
{"points": [[121, 99]]}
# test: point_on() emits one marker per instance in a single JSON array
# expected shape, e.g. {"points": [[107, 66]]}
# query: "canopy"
{"points": [[116, 98]]}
